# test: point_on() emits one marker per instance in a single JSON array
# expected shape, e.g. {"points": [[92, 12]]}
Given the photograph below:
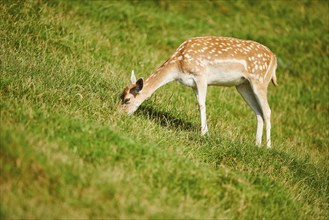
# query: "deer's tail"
{"points": [[274, 81]]}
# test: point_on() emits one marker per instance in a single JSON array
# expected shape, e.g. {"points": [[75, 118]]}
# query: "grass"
{"points": [[67, 153]]}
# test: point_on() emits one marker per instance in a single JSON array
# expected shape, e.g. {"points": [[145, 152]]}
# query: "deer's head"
{"points": [[129, 96]]}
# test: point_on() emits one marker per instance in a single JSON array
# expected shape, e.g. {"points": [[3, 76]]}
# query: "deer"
{"points": [[200, 62]]}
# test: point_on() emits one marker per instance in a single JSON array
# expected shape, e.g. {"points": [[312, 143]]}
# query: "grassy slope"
{"points": [[66, 152]]}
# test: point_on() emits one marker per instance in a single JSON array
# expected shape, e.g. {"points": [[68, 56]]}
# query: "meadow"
{"points": [[67, 153]]}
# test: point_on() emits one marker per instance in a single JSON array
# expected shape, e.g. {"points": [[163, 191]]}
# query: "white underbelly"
{"points": [[223, 76]]}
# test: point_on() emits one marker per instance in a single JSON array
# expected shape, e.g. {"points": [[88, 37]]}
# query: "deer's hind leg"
{"points": [[248, 95], [260, 92]]}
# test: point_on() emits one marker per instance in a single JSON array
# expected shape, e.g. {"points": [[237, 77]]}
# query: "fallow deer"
{"points": [[212, 60]]}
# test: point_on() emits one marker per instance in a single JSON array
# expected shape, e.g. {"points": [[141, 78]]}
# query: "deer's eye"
{"points": [[126, 101]]}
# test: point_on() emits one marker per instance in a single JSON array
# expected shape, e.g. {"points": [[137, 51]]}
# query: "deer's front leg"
{"points": [[200, 93]]}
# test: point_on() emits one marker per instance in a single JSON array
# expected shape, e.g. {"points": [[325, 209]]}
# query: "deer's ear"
{"points": [[139, 84], [132, 77], [138, 87]]}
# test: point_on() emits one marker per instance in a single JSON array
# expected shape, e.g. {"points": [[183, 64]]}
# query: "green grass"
{"points": [[67, 153]]}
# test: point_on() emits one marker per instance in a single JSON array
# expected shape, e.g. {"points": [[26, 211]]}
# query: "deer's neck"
{"points": [[160, 78]]}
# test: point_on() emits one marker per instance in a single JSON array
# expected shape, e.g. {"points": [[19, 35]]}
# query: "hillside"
{"points": [[67, 153]]}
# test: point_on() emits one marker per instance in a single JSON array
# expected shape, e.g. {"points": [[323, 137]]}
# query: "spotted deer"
{"points": [[212, 60]]}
